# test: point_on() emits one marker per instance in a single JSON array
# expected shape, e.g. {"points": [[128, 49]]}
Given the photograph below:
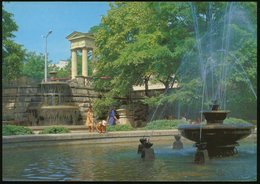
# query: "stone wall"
{"points": [[83, 94], [15, 101]]}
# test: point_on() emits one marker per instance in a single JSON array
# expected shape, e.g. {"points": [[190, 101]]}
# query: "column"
{"points": [[74, 71], [84, 62]]}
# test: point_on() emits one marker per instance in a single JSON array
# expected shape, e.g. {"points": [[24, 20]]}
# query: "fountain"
{"points": [[215, 138], [54, 105], [215, 69]]}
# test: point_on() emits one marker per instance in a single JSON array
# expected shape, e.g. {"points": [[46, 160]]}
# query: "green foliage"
{"points": [[135, 44], [15, 130], [33, 66], [254, 122], [184, 94], [9, 25], [101, 107], [164, 124], [94, 29], [55, 130], [234, 121], [12, 53], [62, 72], [125, 127]]}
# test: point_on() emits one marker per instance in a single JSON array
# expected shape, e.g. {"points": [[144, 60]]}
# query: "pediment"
{"points": [[77, 35]]}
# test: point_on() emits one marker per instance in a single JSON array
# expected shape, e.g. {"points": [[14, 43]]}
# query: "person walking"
{"points": [[90, 119], [112, 117]]}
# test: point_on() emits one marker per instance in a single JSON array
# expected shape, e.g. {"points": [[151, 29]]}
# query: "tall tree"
{"points": [[134, 44], [184, 42], [12, 53]]}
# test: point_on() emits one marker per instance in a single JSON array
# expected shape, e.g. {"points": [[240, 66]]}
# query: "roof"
{"points": [[77, 35]]}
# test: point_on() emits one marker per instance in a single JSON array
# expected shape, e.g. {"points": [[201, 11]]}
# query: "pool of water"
{"points": [[120, 162]]}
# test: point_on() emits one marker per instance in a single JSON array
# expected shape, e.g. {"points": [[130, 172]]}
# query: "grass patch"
{"points": [[15, 130], [55, 130]]}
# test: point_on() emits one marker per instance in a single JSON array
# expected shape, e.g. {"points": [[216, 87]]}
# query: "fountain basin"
{"points": [[217, 138], [216, 134]]}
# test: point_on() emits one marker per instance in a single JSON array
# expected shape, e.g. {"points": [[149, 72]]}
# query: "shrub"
{"points": [[125, 127], [164, 124], [254, 122], [15, 130], [55, 130], [235, 121]]}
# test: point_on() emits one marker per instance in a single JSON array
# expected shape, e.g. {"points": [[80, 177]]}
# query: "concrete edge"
{"points": [[85, 136], [91, 138]]}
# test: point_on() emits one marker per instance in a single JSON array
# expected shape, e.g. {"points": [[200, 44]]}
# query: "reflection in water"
{"points": [[120, 162]]}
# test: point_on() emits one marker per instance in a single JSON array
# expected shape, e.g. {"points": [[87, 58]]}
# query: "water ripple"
{"points": [[122, 163]]}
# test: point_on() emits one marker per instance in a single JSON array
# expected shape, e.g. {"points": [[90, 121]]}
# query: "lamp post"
{"points": [[46, 56]]}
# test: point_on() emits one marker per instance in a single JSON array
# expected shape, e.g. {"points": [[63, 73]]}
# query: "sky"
{"points": [[36, 19]]}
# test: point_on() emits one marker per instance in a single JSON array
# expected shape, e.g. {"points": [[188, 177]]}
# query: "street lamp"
{"points": [[46, 56]]}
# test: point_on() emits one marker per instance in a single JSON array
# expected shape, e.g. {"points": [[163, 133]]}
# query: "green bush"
{"points": [[254, 122], [164, 124], [55, 130], [125, 127], [235, 121], [15, 130]]}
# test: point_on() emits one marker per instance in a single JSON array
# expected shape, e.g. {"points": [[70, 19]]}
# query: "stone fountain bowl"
{"points": [[215, 116], [216, 133]]}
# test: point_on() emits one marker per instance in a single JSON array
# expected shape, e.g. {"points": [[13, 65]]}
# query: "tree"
{"points": [[13, 53], [134, 45], [224, 57], [33, 66], [187, 43]]}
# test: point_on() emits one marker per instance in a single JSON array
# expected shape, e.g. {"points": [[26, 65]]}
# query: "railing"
{"points": [[58, 79]]}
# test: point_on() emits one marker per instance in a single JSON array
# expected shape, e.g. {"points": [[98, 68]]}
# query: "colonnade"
{"points": [[83, 42], [85, 64]]}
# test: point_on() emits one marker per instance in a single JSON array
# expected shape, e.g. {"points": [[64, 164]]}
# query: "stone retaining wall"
{"points": [[17, 99]]}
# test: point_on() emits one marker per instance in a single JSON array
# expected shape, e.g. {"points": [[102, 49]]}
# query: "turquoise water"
{"points": [[120, 162]]}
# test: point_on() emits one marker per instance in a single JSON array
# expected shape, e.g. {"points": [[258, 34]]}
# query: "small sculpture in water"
{"points": [[147, 153], [177, 144]]}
